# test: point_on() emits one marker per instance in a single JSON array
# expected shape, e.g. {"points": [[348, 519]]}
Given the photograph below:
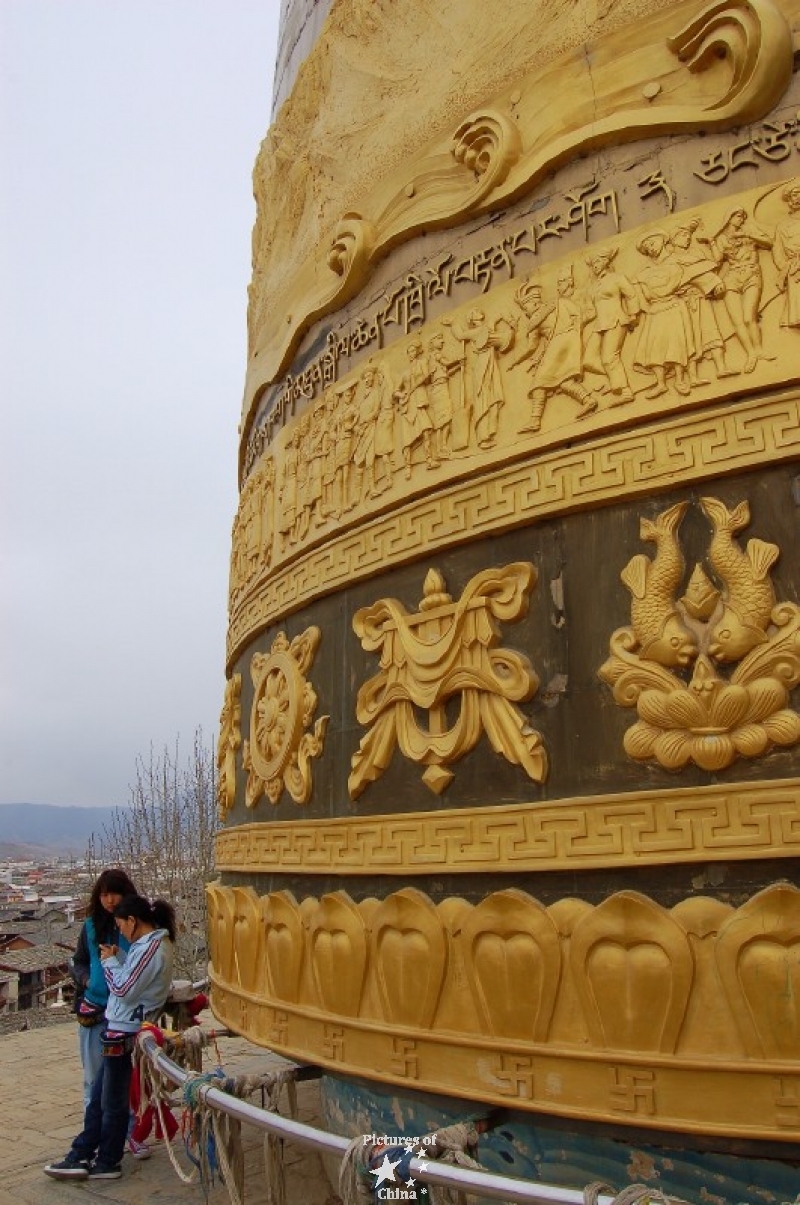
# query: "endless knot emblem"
{"points": [[447, 651]]}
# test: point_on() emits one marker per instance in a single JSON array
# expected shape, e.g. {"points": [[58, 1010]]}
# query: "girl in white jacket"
{"points": [[137, 987]]}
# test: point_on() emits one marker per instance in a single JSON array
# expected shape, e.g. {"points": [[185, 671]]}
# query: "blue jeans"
{"points": [[91, 1049], [105, 1123]]}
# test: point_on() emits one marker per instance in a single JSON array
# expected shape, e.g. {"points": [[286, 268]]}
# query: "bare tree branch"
{"points": [[165, 840]]}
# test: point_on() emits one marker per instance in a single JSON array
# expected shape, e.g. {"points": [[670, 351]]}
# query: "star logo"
{"points": [[385, 1171]]}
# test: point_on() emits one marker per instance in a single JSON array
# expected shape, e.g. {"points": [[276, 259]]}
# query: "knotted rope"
{"points": [[212, 1138], [634, 1194], [217, 1137]]}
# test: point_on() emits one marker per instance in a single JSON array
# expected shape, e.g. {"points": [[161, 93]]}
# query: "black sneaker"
{"points": [[68, 1169], [105, 1171]]}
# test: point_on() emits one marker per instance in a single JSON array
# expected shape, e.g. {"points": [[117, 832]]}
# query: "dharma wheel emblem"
{"points": [[447, 651], [280, 748], [720, 713]]}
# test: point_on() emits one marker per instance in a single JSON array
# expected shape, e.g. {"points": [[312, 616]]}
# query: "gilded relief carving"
{"points": [[278, 754], [698, 309], [701, 824], [633, 971], [684, 1016], [729, 63], [559, 368], [623, 464], [786, 253], [447, 651], [512, 952], [760, 970], [229, 744], [252, 534], [728, 619]]}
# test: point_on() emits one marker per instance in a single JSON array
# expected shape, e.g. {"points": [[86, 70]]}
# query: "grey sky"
{"points": [[128, 131]]}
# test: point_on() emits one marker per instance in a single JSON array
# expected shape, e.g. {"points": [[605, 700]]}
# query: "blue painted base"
{"points": [[524, 1146]]}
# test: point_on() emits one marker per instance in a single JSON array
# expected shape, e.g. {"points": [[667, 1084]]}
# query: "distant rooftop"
{"points": [[37, 959]]}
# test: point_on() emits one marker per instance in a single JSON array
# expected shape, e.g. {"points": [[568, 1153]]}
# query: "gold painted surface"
{"points": [[755, 433], [710, 719], [230, 742], [576, 1010], [648, 828], [447, 652], [278, 754], [687, 67], [698, 311], [588, 202], [252, 534], [669, 317]]}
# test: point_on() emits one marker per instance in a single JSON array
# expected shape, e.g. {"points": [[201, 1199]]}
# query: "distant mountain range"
{"points": [[42, 829]]}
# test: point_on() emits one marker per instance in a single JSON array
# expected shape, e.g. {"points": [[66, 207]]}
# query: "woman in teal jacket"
{"points": [[91, 995]]}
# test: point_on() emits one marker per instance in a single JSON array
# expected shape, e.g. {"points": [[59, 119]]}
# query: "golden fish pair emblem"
{"points": [[741, 645]]}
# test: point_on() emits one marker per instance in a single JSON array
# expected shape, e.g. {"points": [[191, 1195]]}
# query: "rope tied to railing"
{"points": [[212, 1138], [217, 1137]]}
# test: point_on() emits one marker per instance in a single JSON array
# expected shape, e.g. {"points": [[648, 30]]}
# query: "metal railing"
{"points": [[482, 1184]]}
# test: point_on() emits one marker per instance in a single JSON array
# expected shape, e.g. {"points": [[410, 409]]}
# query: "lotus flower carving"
{"points": [[740, 646]]}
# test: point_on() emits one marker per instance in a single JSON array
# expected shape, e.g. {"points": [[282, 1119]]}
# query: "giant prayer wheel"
{"points": [[509, 771]]}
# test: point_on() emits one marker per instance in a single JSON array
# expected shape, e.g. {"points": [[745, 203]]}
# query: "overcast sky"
{"points": [[128, 130]]}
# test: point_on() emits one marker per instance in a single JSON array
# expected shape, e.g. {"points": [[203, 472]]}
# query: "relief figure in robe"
{"points": [[665, 342], [384, 434], [440, 371], [486, 342], [368, 413], [702, 290], [786, 253], [328, 504], [344, 444]]}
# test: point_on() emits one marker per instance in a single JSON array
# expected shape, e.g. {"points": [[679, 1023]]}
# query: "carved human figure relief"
{"points": [[413, 403], [344, 439], [370, 407], [441, 370], [484, 341], [278, 754], [385, 426], [665, 336], [310, 470], [709, 671], [288, 493], [736, 247], [701, 289], [328, 452], [786, 253], [448, 650], [559, 368], [304, 479], [613, 311], [251, 537]]}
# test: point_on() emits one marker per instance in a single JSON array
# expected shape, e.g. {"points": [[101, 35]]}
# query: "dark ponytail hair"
{"points": [[160, 914]]}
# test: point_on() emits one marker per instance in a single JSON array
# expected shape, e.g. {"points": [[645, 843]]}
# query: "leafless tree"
{"points": [[165, 841]]}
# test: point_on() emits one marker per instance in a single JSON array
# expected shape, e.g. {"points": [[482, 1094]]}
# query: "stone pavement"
{"points": [[41, 1112]]}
